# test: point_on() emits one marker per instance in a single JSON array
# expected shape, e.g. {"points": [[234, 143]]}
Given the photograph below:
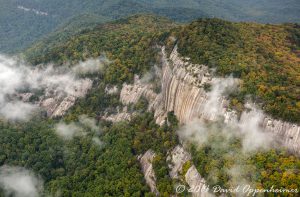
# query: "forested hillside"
{"points": [[265, 57], [130, 43], [24, 21]]}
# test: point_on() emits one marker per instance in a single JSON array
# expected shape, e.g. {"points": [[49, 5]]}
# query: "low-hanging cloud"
{"points": [[82, 127], [254, 137], [91, 65], [20, 182], [68, 131], [17, 77], [219, 87], [247, 128], [220, 134], [17, 110]]}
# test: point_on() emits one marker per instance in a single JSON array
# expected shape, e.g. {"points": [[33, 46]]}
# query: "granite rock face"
{"points": [[197, 183], [147, 168], [178, 157], [56, 104], [121, 115], [182, 91], [287, 132]]}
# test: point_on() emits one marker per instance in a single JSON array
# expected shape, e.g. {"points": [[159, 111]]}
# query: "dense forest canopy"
{"points": [[24, 21]]}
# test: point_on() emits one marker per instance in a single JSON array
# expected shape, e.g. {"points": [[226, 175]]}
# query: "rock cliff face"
{"points": [[57, 104], [197, 183], [121, 115], [147, 168], [182, 91], [289, 133], [184, 95], [178, 157]]}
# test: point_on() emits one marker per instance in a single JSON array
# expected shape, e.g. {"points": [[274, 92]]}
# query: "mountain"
{"points": [[24, 21], [142, 106], [266, 57]]}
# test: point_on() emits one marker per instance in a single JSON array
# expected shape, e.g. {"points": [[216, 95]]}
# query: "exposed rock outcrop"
{"points": [[131, 93], [56, 104], [287, 132], [178, 157], [147, 168], [119, 116], [111, 90], [195, 181], [25, 97], [182, 91]]}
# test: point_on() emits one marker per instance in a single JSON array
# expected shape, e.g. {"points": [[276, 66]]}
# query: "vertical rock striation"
{"points": [[147, 168], [287, 132], [182, 91]]}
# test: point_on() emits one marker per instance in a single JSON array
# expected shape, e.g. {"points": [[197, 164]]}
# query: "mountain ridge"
{"points": [[26, 25]]}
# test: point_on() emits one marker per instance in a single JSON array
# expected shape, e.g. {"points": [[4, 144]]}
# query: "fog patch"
{"points": [[153, 74], [20, 182], [254, 137], [248, 128], [194, 132], [18, 77], [237, 177], [89, 123], [238, 139], [98, 142], [17, 110], [68, 131], [91, 66], [84, 126], [220, 87]]}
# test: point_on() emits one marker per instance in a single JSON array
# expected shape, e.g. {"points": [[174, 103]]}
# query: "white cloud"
{"points": [[80, 128], [220, 87], [89, 123], [68, 131], [97, 141], [17, 110], [19, 182], [247, 128], [91, 65], [254, 136], [17, 76]]}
